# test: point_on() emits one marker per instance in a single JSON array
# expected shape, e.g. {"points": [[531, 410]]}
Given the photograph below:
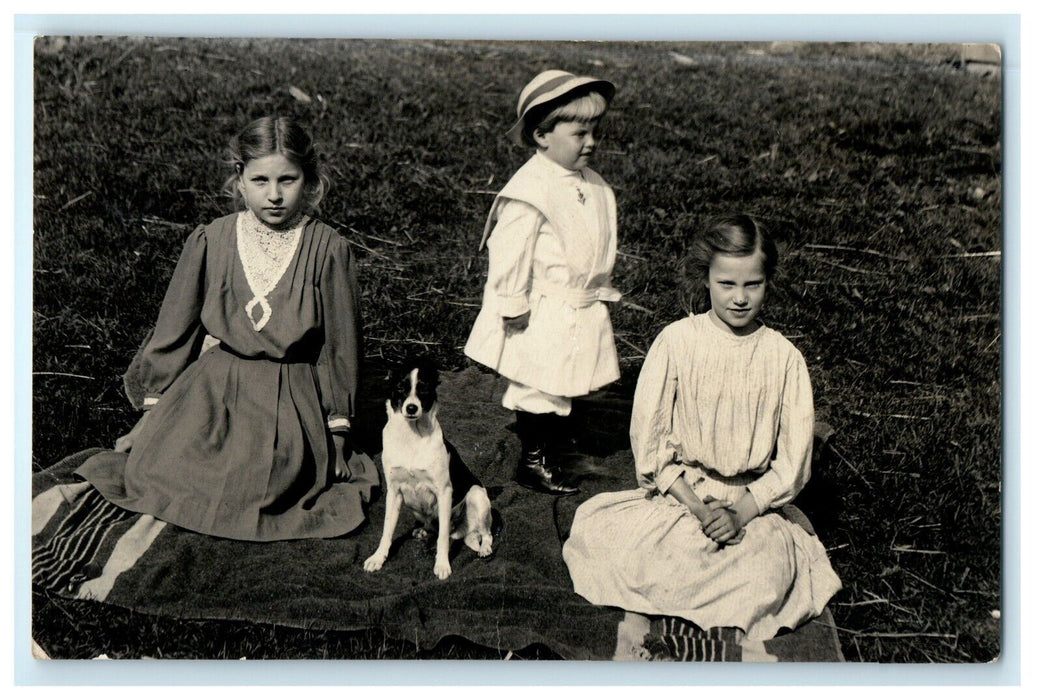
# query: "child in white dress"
{"points": [[551, 236], [722, 432]]}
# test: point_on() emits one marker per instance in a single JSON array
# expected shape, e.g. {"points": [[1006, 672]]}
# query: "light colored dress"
{"points": [[725, 413], [551, 252], [239, 443]]}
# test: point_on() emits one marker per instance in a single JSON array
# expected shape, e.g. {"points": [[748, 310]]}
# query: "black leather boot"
{"points": [[561, 436], [535, 470]]}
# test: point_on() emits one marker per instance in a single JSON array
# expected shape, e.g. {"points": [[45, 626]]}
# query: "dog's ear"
{"points": [[426, 365], [431, 368]]}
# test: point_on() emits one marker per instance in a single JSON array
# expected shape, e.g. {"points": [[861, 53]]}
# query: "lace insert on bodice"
{"points": [[265, 254]]}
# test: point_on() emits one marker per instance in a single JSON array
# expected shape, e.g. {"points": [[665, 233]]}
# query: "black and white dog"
{"points": [[425, 473]]}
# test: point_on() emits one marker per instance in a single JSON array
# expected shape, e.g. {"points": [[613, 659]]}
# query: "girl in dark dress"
{"points": [[251, 375]]}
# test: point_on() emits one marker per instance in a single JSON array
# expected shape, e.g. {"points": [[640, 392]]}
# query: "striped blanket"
{"points": [[85, 548]]}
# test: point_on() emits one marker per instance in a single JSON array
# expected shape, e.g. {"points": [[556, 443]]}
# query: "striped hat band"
{"points": [[551, 85]]}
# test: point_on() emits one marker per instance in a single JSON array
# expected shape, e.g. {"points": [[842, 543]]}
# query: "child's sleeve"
{"points": [[655, 449], [511, 249], [341, 354], [179, 332], [790, 468]]}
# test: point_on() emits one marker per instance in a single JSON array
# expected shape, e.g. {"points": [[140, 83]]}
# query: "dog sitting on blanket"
{"points": [[425, 473]]}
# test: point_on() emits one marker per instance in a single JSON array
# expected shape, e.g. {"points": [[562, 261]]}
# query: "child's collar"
{"points": [[557, 168]]}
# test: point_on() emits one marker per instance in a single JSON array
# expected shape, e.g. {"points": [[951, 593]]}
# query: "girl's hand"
{"points": [[742, 513], [342, 450], [708, 512], [721, 524], [126, 442], [516, 324]]}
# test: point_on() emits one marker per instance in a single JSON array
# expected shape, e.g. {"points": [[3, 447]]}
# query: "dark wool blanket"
{"points": [[521, 595]]}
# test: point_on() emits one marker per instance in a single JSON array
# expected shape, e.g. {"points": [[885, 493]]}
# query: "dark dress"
{"points": [[240, 443]]}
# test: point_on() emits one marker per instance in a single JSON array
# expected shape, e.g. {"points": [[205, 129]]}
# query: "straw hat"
{"points": [[548, 87]]}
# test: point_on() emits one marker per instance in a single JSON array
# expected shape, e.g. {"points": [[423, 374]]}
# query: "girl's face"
{"points": [[569, 144], [737, 286], [273, 187]]}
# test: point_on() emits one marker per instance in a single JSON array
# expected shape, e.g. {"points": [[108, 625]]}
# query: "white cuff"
{"points": [[761, 496], [511, 307], [666, 476]]}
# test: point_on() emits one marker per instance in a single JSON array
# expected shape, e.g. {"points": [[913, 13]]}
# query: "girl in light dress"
{"points": [[251, 374], [722, 432]]}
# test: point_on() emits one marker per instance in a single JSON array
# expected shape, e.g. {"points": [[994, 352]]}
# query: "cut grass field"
{"points": [[878, 166]]}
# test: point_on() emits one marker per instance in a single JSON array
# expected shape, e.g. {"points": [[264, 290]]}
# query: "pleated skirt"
{"points": [[238, 448]]}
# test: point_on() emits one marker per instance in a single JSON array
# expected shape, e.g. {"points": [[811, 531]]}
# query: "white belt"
{"points": [[579, 298]]}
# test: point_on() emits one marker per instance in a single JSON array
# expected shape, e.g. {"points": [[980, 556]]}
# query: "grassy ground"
{"points": [[879, 166]]}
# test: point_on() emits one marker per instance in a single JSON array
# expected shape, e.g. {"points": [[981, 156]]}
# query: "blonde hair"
{"points": [[583, 107], [283, 135]]}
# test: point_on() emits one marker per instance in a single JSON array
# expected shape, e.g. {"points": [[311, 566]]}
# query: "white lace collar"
{"points": [[265, 254]]}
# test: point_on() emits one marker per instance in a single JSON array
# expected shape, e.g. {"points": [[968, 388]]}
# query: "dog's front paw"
{"points": [[375, 562], [480, 543], [442, 569]]}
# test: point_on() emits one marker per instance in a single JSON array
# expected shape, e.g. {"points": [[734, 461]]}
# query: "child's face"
{"points": [[273, 187], [737, 286], [569, 144]]}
